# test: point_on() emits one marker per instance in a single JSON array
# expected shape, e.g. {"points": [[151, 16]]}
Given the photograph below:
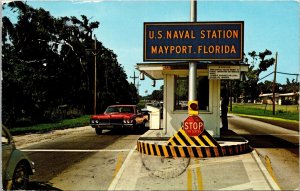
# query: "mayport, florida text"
{"points": [[191, 34]]}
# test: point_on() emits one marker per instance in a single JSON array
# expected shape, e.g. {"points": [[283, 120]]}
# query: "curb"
{"points": [[193, 151], [271, 180]]}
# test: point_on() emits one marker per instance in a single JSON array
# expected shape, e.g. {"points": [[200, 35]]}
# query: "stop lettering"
{"points": [[193, 126]]}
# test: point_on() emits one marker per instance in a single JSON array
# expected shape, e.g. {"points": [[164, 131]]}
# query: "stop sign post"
{"points": [[193, 126]]}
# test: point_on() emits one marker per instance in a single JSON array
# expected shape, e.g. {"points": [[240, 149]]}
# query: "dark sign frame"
{"points": [[194, 41]]}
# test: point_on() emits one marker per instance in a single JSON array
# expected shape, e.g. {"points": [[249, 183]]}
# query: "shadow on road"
{"points": [[41, 186], [268, 141], [127, 131], [261, 141]]}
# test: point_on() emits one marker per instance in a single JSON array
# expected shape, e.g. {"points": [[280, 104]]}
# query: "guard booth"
{"points": [[175, 78]]}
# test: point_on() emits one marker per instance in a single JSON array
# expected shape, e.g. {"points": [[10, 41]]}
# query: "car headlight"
{"points": [[94, 121], [33, 166], [127, 121]]}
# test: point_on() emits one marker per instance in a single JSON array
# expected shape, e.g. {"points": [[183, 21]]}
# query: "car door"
{"points": [[7, 149]]}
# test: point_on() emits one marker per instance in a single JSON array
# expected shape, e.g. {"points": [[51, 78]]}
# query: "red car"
{"points": [[119, 117]]}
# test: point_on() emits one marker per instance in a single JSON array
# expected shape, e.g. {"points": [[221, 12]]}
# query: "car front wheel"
{"points": [[143, 125], [98, 131], [20, 177]]}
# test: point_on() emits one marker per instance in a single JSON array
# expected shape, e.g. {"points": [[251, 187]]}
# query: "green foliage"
{"points": [[157, 95], [250, 89], [264, 62], [291, 86], [284, 112], [63, 124], [45, 66]]}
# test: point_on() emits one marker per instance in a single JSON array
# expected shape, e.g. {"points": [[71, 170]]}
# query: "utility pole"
{"points": [[95, 52], [274, 82], [138, 88], [134, 77]]}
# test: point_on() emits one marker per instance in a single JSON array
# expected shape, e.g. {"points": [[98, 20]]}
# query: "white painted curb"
{"points": [[264, 170]]}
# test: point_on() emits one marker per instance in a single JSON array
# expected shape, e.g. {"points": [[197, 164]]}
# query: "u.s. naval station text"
{"points": [[191, 34]]}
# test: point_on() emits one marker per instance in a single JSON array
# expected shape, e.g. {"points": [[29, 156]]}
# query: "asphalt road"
{"points": [[278, 148], [86, 161], [82, 161]]}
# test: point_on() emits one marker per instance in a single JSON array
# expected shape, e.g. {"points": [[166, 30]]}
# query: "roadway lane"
{"points": [[246, 126], [79, 161], [278, 148]]}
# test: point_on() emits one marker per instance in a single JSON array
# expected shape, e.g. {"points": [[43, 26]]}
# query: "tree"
{"points": [[291, 86], [158, 95], [250, 87], [46, 66]]}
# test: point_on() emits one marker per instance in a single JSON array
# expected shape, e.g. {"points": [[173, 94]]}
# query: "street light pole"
{"points": [[95, 52]]}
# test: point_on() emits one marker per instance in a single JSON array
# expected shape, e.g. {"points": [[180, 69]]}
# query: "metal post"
{"points": [[95, 77], [193, 65], [274, 82]]}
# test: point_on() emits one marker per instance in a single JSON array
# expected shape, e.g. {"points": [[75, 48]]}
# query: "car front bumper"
{"points": [[111, 125]]}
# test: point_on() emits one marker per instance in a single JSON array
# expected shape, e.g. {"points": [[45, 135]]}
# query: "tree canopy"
{"points": [[253, 86], [46, 67]]}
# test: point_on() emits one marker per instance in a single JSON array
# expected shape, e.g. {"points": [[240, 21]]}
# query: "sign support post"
{"points": [[193, 65]]}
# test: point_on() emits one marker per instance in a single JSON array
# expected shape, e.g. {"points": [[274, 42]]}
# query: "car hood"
{"points": [[112, 116]]}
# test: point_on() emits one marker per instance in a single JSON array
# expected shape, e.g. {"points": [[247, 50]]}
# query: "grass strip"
{"points": [[63, 124], [255, 110], [266, 117]]}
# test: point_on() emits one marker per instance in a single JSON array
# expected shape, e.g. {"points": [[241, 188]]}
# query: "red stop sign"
{"points": [[193, 126]]}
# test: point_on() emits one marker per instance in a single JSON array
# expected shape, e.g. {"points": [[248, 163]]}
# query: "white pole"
{"points": [[193, 65]]}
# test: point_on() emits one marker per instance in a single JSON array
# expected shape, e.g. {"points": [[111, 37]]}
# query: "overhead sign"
{"points": [[193, 126], [193, 41], [224, 72]]}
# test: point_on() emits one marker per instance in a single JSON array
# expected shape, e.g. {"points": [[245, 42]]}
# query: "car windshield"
{"points": [[120, 109]]}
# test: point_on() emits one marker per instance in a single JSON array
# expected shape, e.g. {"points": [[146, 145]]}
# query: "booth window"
{"points": [[182, 91]]}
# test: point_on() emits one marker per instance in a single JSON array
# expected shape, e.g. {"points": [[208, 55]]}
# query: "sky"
{"points": [[272, 25]]}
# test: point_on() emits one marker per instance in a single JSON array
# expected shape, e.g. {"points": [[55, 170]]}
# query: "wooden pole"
{"points": [[274, 82], [95, 52]]}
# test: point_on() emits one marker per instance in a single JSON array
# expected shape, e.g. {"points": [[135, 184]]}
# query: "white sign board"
{"points": [[224, 72]]}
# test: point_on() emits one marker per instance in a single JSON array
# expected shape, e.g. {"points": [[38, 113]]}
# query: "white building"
{"points": [[280, 99]]}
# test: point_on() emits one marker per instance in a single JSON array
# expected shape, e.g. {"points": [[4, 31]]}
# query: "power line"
{"points": [[291, 74], [287, 73], [265, 76]]}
